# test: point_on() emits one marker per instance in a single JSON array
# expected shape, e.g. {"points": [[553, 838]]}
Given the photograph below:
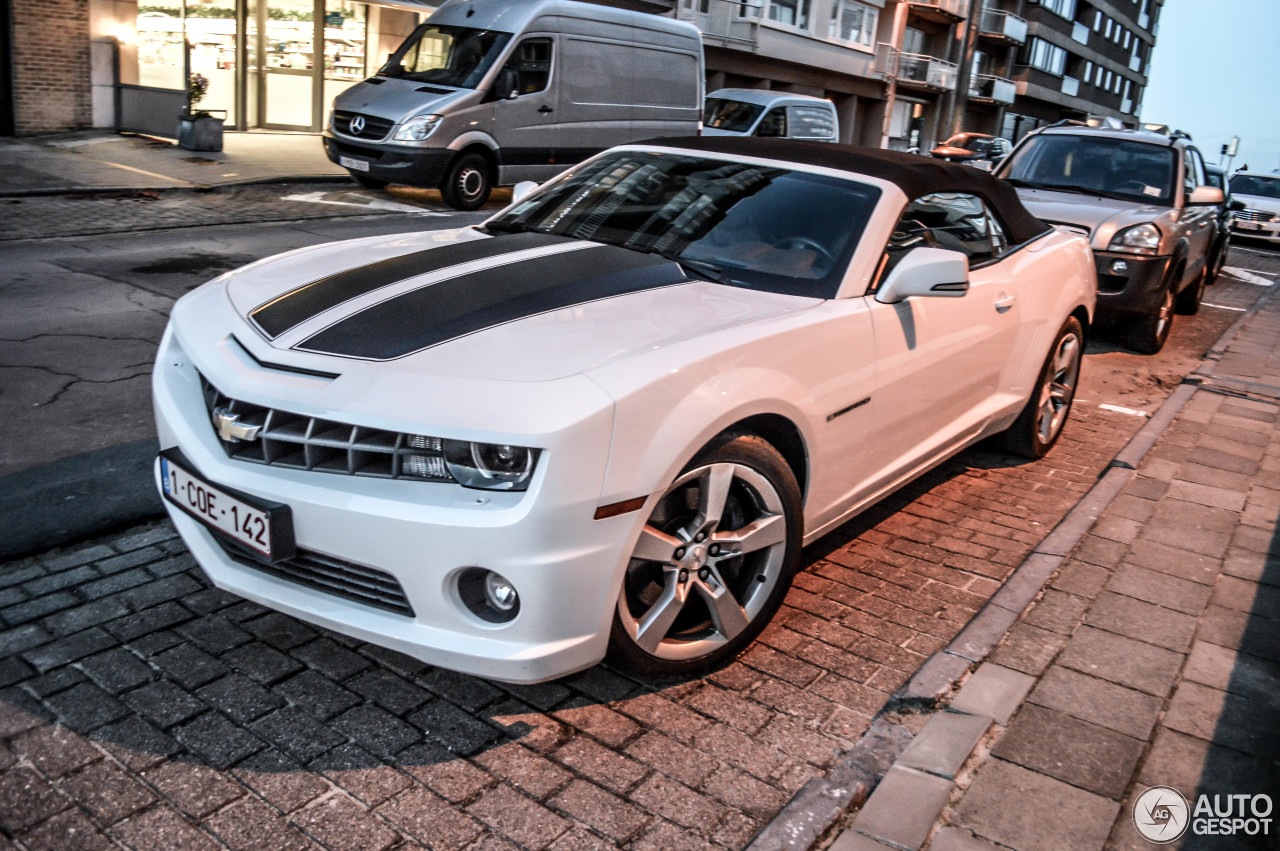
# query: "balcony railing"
{"points": [[917, 69], [989, 87], [1003, 25]]}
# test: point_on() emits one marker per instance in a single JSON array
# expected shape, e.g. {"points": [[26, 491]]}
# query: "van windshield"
{"points": [[732, 115], [447, 56], [739, 224]]}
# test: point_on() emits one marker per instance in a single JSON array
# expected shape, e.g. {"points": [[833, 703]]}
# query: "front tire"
{"points": [[1037, 428], [467, 183], [713, 562], [1188, 303], [1149, 334]]}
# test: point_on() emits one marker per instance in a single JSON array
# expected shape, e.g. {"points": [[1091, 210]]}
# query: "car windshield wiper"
{"points": [[507, 227], [1071, 187], [701, 267]]}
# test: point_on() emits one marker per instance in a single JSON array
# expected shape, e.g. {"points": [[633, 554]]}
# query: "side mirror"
{"points": [[926, 272], [521, 190], [508, 85], [1206, 195]]}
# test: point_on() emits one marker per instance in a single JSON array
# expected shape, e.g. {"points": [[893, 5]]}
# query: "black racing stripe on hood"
{"points": [[444, 311], [299, 305]]}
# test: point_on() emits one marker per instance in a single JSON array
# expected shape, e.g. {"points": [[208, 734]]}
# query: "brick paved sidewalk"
{"points": [[1151, 659]]}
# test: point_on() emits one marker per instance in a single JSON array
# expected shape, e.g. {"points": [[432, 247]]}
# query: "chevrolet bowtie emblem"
{"points": [[231, 429]]}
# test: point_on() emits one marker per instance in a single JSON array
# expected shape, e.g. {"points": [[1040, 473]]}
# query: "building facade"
{"points": [[903, 74]]}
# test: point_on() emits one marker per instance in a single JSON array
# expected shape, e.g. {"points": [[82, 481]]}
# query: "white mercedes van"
{"points": [[759, 112], [494, 92]]}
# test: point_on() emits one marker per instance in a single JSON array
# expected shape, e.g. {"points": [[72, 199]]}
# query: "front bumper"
{"points": [[566, 566], [392, 163], [1269, 231], [1132, 291]]}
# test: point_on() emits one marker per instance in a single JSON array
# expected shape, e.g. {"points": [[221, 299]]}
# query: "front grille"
{"points": [[1255, 216], [299, 442], [344, 579], [374, 128]]}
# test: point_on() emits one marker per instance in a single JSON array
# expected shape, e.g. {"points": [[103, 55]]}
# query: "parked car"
{"points": [[1258, 195], [757, 112], [609, 417], [1216, 177], [980, 149], [495, 92], [1142, 199]]}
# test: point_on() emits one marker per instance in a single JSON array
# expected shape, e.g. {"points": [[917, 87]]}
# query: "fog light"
{"points": [[1119, 267], [488, 595]]}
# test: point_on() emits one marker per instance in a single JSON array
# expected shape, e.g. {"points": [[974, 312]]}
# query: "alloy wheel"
{"points": [[1059, 388]]}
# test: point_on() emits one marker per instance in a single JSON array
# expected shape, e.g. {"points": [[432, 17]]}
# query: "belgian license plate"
{"points": [[266, 529], [350, 162], [1248, 226]]}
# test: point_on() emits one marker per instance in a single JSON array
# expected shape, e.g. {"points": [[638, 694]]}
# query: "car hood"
{"points": [[397, 99], [1257, 202], [459, 303], [1101, 217]]}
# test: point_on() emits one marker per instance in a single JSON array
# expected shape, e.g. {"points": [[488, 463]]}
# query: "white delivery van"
{"points": [[759, 112], [494, 92]]}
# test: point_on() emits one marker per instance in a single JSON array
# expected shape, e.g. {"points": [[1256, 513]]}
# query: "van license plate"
{"points": [[356, 165]]}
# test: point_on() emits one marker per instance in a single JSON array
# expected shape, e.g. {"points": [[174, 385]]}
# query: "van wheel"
{"points": [[467, 183], [714, 560], [1037, 428], [369, 182]]}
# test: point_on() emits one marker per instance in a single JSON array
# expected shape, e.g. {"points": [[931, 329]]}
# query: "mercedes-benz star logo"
{"points": [[1161, 814], [357, 125]]}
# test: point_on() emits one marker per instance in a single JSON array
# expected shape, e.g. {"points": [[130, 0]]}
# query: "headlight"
{"points": [[1137, 239], [417, 128], [492, 466]]}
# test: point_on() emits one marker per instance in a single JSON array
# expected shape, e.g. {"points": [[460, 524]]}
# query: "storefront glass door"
{"points": [[287, 39]]}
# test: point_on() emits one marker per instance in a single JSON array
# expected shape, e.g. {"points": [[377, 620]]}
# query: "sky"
{"points": [[1215, 74]]}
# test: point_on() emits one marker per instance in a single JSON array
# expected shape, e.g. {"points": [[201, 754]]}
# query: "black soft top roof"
{"points": [[914, 175]]}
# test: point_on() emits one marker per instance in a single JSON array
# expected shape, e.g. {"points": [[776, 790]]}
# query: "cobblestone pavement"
{"points": [[132, 211]]}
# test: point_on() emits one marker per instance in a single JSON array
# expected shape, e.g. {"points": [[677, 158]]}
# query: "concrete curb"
{"points": [[809, 815], [188, 187]]}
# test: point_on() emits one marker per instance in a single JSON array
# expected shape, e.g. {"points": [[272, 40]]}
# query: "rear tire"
{"points": [[467, 183], [1149, 334], [713, 563], [369, 182], [1037, 428]]}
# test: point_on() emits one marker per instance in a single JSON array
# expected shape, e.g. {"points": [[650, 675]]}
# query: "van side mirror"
{"points": [[521, 190], [926, 272], [1206, 195], [507, 86]]}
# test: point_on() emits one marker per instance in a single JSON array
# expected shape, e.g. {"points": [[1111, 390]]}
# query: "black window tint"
{"points": [[532, 63], [734, 115], [774, 123]]}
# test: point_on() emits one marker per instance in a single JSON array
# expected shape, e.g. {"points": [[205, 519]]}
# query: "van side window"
{"points": [[951, 220], [774, 123], [811, 122], [532, 63]]}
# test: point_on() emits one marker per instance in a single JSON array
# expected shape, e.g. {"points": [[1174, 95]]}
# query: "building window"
{"points": [[1097, 22], [793, 13], [1127, 37], [1097, 80], [1063, 8], [1046, 56], [853, 22], [1107, 32], [1107, 85], [1088, 72]]}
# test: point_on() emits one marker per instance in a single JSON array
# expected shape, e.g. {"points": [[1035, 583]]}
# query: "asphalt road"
{"points": [[81, 317]]}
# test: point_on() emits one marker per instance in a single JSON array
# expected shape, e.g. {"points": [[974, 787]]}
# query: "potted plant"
{"points": [[198, 130]]}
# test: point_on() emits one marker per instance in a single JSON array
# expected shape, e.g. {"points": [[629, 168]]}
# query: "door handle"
{"points": [[544, 109], [1004, 302]]}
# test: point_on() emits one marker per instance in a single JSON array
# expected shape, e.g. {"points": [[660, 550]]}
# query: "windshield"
{"points": [[1120, 168], [743, 225], [977, 144], [732, 115], [1252, 184], [447, 56]]}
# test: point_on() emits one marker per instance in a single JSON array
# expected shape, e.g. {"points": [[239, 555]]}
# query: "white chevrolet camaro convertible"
{"points": [[606, 420]]}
